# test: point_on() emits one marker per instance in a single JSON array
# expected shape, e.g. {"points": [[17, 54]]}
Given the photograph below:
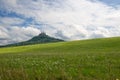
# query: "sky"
{"points": [[20, 20], [111, 2]]}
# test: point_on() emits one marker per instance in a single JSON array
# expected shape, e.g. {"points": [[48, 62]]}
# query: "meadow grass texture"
{"points": [[95, 59]]}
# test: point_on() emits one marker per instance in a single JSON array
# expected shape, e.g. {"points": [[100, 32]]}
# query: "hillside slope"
{"points": [[95, 59], [92, 45]]}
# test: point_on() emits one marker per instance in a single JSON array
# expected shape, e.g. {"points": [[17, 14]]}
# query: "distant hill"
{"points": [[41, 38]]}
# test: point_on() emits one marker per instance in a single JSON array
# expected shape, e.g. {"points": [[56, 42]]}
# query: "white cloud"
{"points": [[70, 19], [16, 34], [3, 34]]}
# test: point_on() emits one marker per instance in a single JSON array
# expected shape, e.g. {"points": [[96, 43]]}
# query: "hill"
{"points": [[95, 59], [41, 38]]}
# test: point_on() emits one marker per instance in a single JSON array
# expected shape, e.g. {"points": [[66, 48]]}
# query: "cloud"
{"points": [[11, 21], [67, 19], [16, 34]]}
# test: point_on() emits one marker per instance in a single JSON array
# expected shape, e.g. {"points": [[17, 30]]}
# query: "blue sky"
{"points": [[111, 2], [68, 19]]}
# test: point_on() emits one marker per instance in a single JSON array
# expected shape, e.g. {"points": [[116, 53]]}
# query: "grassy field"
{"points": [[95, 59]]}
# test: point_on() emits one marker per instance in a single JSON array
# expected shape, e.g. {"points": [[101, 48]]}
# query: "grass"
{"points": [[95, 59]]}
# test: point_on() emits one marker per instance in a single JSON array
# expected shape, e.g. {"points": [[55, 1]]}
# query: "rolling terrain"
{"points": [[94, 59]]}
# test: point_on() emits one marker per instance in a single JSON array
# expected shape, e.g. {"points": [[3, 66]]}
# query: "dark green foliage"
{"points": [[43, 38]]}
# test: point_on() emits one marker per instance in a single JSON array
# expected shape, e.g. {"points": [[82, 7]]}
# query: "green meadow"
{"points": [[95, 59]]}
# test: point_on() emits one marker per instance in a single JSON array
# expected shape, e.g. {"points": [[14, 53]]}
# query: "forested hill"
{"points": [[41, 38]]}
